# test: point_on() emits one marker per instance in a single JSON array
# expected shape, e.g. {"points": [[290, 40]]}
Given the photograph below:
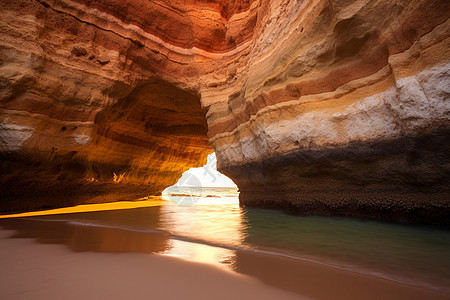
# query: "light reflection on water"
{"points": [[205, 222], [214, 230]]}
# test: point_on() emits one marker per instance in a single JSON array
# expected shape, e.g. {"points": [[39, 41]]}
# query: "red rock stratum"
{"points": [[321, 107]]}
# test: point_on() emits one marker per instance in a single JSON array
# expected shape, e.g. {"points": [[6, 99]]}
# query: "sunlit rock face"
{"points": [[98, 100], [325, 107], [343, 110]]}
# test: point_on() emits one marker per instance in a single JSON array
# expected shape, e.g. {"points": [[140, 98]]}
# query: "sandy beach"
{"points": [[34, 271], [31, 270]]}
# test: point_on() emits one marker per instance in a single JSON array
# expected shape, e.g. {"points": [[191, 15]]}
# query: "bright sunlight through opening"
{"points": [[204, 185]]}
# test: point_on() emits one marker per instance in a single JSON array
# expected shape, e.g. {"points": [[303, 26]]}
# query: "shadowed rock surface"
{"points": [[403, 180]]}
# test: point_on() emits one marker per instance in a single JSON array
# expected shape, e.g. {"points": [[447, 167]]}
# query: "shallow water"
{"points": [[213, 229]]}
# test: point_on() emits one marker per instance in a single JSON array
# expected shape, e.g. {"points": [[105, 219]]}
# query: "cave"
{"points": [[140, 145], [329, 118], [316, 107]]}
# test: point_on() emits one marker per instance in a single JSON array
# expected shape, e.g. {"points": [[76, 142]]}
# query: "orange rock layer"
{"points": [[126, 95]]}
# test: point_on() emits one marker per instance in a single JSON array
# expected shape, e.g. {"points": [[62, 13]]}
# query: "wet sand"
{"points": [[107, 263], [35, 271], [322, 282]]}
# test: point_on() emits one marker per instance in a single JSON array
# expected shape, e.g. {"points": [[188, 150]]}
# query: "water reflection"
{"points": [[205, 224], [91, 232], [189, 232], [218, 231]]}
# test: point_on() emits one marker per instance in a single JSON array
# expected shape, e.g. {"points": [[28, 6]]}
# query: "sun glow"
{"points": [[152, 201], [200, 186], [206, 176]]}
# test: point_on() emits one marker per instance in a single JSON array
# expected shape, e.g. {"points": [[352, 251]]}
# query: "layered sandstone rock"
{"points": [[329, 107], [88, 110], [347, 113]]}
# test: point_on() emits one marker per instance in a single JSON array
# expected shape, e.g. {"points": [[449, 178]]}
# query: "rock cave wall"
{"points": [[321, 107]]}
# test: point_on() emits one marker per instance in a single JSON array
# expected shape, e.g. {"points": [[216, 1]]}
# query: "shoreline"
{"points": [[292, 276], [52, 271]]}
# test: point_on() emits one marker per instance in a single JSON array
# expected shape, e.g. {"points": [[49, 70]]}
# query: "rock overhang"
{"points": [[273, 78]]}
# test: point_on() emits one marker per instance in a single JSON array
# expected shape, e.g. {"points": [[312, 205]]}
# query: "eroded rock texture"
{"points": [[345, 113], [325, 107], [88, 112], [362, 55]]}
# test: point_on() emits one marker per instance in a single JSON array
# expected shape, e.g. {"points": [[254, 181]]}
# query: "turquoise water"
{"points": [[214, 228], [410, 254]]}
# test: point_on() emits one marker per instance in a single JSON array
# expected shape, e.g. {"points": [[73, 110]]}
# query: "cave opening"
{"points": [[137, 146], [150, 136], [163, 129], [203, 185]]}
